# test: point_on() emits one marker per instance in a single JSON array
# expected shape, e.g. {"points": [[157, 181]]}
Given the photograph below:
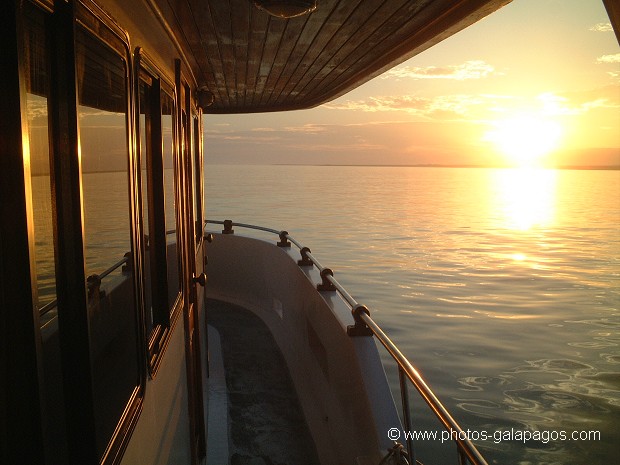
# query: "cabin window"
{"points": [[38, 113], [108, 247], [171, 213], [197, 181], [37, 92], [145, 129], [159, 204]]}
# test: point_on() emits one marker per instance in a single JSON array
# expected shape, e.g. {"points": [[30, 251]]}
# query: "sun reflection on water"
{"points": [[525, 197]]}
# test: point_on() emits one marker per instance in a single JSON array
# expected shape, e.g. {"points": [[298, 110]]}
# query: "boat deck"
{"points": [[265, 423]]}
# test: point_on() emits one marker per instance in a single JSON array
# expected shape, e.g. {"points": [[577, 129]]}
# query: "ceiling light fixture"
{"points": [[205, 98]]}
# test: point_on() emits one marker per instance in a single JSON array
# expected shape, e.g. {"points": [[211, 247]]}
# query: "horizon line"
{"points": [[435, 165]]}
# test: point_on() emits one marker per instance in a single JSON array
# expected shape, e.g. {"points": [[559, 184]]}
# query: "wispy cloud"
{"points": [[337, 147], [609, 58], [614, 75], [306, 128], [383, 103], [602, 27], [557, 105], [461, 107], [440, 107], [37, 109], [475, 69]]}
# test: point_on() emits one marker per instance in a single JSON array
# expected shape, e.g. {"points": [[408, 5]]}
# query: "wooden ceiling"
{"points": [[253, 62]]}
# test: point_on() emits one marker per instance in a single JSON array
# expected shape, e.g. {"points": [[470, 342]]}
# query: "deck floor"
{"points": [[266, 423]]}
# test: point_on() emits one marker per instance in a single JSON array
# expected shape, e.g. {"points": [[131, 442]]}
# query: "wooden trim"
{"points": [[21, 435], [72, 300], [190, 310], [613, 11], [252, 62], [164, 317], [73, 320]]}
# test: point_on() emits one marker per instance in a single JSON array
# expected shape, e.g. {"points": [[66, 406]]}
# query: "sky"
{"points": [[535, 83]]}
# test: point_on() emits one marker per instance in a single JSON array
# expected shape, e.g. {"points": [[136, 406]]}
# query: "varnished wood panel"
{"points": [[253, 62]]}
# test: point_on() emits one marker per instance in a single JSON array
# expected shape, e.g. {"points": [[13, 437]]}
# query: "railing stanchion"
{"points": [[359, 328], [283, 239], [404, 396], [228, 227], [326, 284], [305, 260]]}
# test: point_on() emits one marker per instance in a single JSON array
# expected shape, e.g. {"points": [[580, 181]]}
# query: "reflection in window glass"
{"points": [[196, 182], [145, 157], [37, 91], [167, 125], [102, 112]]}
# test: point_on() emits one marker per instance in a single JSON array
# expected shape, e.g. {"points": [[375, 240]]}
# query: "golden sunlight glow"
{"points": [[525, 198], [525, 139]]}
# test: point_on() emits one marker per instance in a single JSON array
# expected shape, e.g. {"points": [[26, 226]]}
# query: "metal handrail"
{"points": [[89, 283], [121, 262], [48, 306], [365, 325], [425, 391]]}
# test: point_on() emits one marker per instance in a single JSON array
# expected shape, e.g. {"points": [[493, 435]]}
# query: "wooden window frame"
{"points": [[77, 365], [164, 315]]}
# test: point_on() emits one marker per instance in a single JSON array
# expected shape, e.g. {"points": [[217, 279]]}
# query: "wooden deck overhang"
{"points": [[254, 62]]}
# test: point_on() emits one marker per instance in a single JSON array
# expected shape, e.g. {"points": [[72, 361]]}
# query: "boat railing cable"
{"points": [[364, 325]]}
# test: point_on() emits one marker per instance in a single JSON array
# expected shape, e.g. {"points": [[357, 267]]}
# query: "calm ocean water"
{"points": [[501, 286]]}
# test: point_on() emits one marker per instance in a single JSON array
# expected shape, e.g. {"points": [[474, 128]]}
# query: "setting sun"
{"points": [[525, 139]]}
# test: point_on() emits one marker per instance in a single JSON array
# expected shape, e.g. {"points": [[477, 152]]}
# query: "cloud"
{"points": [[577, 103], [609, 58], [602, 27], [614, 75], [396, 142], [306, 128], [252, 136], [440, 107], [457, 104], [475, 69], [382, 103], [37, 110], [480, 107], [337, 147]]}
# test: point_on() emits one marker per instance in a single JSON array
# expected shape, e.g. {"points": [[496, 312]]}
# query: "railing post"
{"points": [[128, 266], [359, 328], [326, 284], [93, 284], [228, 227], [305, 260], [283, 239], [404, 395]]}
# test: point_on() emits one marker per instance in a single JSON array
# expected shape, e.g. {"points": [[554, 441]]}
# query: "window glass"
{"points": [[145, 122], [170, 201], [37, 91], [37, 77], [197, 182], [102, 113]]}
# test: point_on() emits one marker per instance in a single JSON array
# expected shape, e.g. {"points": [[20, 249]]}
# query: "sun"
{"points": [[525, 139]]}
